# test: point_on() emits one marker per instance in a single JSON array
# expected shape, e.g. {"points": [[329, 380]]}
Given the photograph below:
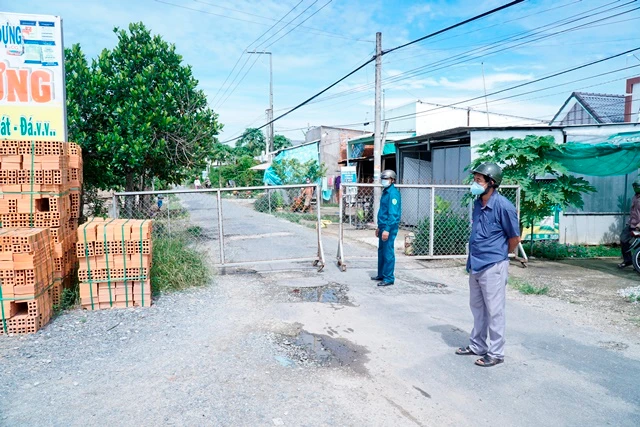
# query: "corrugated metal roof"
{"points": [[605, 108]]}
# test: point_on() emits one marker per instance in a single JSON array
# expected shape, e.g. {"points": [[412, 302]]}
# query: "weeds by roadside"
{"points": [[177, 266], [632, 294], [558, 251], [527, 288], [69, 299]]}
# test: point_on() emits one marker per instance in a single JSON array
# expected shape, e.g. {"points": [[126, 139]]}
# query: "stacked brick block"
{"points": [[27, 284], [40, 183], [40, 187], [114, 263]]}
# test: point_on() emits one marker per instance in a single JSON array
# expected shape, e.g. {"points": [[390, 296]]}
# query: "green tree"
{"points": [[291, 171], [280, 142], [545, 183], [239, 170], [137, 112], [252, 143]]}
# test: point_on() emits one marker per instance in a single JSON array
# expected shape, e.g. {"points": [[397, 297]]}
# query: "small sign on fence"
{"points": [[348, 175]]}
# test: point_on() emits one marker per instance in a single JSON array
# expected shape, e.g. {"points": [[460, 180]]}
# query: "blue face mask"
{"points": [[477, 189], [385, 183]]}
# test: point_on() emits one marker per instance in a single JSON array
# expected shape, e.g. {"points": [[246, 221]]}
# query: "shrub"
{"points": [[262, 203], [451, 231]]}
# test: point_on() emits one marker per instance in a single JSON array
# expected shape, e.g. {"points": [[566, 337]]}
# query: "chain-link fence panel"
{"points": [[435, 219], [234, 226], [180, 218], [275, 223]]}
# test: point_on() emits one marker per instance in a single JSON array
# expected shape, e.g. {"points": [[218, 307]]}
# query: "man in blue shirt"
{"points": [[388, 222], [495, 232]]}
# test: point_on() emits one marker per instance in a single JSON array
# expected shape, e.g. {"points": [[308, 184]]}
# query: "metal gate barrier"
{"points": [[435, 221], [235, 226]]}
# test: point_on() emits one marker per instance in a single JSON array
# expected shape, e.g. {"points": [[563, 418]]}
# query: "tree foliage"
{"points": [[545, 183], [280, 142], [137, 113], [251, 143], [291, 171], [239, 170]]}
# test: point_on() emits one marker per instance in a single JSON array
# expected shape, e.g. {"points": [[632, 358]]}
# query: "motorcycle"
{"points": [[635, 249]]}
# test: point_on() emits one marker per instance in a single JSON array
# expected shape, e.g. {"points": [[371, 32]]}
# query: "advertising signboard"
{"points": [[32, 92]]}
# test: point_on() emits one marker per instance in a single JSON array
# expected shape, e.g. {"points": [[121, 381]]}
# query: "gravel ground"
{"points": [[301, 348], [210, 356]]}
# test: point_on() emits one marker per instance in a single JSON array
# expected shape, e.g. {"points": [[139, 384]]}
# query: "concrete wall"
{"points": [[590, 229], [332, 140]]}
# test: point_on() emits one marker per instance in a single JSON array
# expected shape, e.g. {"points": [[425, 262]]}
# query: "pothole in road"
{"points": [[332, 293], [307, 349]]}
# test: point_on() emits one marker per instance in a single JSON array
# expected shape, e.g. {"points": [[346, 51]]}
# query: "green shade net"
{"points": [[618, 155]]}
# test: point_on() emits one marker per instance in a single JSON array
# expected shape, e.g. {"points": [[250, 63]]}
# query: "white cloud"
{"points": [[477, 84]]}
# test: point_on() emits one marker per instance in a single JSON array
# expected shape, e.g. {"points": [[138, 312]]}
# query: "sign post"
{"points": [[32, 91]]}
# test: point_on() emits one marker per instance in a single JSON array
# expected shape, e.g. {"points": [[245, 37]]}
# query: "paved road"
{"points": [[227, 354], [557, 373]]}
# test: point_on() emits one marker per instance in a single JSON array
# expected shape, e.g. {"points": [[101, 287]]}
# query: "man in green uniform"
{"points": [[388, 222]]}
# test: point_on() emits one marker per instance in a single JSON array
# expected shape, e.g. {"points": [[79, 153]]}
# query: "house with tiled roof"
{"points": [[582, 108]]}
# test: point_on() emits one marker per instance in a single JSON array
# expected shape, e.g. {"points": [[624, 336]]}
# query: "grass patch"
{"points": [[177, 266], [558, 251], [527, 288], [70, 297]]}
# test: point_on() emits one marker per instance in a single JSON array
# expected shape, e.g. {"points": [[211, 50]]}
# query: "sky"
{"points": [[313, 43]]}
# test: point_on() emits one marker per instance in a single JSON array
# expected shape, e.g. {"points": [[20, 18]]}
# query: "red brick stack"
{"points": [[115, 263], [27, 279], [40, 185]]}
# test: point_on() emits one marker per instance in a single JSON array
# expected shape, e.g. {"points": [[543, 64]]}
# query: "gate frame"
{"points": [[317, 261], [340, 255]]}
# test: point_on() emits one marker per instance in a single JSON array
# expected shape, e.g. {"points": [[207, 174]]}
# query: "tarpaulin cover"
{"points": [[303, 153], [618, 155]]}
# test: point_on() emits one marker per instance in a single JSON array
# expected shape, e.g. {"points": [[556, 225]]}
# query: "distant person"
{"points": [[495, 232], [196, 183], [632, 224], [207, 183], [307, 195], [388, 223]]}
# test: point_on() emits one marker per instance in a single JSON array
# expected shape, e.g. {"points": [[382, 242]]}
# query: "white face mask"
{"points": [[385, 183]]}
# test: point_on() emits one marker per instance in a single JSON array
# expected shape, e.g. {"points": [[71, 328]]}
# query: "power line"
{"points": [[287, 24], [428, 68], [317, 30], [513, 3], [305, 20], [520, 18], [523, 84], [504, 103], [451, 27], [247, 48]]}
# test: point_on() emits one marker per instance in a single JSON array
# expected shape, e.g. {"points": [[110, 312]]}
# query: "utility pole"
{"points": [[270, 110], [377, 137]]}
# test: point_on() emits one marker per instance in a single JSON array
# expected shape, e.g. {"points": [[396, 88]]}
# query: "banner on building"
{"points": [[32, 92]]}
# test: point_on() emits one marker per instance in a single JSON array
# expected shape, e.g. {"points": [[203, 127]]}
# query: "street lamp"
{"points": [[270, 113]]}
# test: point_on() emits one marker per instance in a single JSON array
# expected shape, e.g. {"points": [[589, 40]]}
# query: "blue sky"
{"points": [[339, 35]]}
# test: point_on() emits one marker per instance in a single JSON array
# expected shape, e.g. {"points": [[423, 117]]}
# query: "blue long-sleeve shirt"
{"points": [[390, 209]]}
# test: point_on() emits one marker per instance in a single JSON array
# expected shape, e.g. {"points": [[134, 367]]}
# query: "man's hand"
{"points": [[385, 236], [377, 232], [513, 243]]}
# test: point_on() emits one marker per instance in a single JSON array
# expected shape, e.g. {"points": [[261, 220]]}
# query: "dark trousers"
{"points": [[625, 243], [387, 257]]}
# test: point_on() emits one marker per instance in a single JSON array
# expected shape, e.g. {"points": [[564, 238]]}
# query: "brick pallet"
{"points": [[114, 263], [27, 281], [40, 185]]}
